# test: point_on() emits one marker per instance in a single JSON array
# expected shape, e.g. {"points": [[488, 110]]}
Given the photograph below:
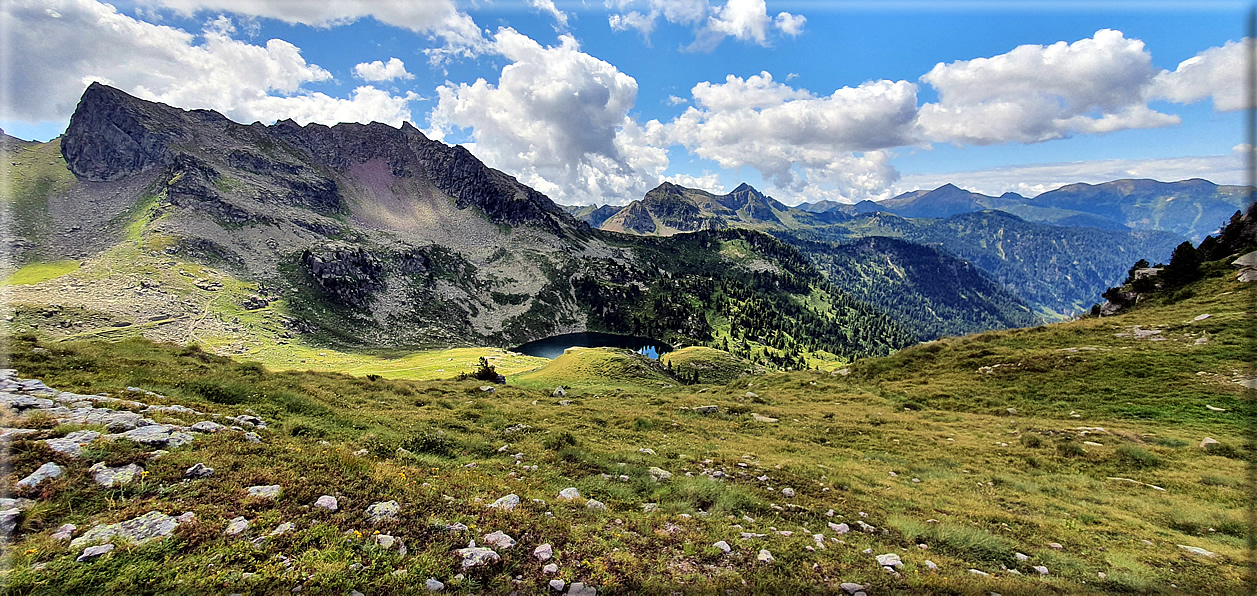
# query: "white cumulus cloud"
{"points": [[90, 41], [797, 139], [1217, 73], [548, 7], [440, 19], [382, 71], [745, 20], [557, 119], [1037, 93]]}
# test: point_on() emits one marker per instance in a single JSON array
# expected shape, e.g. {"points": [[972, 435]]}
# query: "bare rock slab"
{"points": [[138, 530]]}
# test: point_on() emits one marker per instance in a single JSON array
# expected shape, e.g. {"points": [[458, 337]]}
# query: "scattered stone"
{"points": [[283, 528], [383, 510], [1196, 550], [1055, 546], [550, 568], [889, 560], [1207, 442], [388, 542], [569, 493], [433, 585], [839, 528], [851, 588], [8, 519], [707, 409], [558, 392], [1214, 408], [72, 444], [650, 507], [507, 503], [596, 505], [1041, 569], [236, 526], [543, 552], [361, 452], [499, 539], [476, 556], [269, 491], [106, 476], [199, 470], [138, 530], [931, 566], [156, 435], [1022, 556], [45, 472], [1011, 411], [751, 394], [252, 437], [979, 572], [92, 552], [759, 418], [723, 546], [579, 589], [488, 389], [787, 492], [659, 474], [327, 502], [206, 426], [557, 585], [764, 556], [646, 451], [65, 532], [1201, 317]]}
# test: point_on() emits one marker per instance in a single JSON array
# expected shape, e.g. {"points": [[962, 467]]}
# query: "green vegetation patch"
{"points": [[40, 272]]}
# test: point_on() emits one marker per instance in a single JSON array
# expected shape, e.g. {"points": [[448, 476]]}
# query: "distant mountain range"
{"points": [[1192, 208], [1050, 252]]}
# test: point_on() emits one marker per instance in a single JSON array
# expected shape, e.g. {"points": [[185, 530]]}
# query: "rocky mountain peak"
{"points": [[113, 135]]}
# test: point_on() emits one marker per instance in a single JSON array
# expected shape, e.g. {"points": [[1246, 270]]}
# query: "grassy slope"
{"points": [[996, 483], [596, 368], [712, 365]]}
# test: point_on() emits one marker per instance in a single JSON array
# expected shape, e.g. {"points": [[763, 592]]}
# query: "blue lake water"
{"points": [[553, 346]]}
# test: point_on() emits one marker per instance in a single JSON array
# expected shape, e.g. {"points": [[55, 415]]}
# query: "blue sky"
{"points": [[596, 102]]}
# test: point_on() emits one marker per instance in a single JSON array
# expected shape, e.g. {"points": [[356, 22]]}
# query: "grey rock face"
{"points": [[198, 470], [8, 519], [157, 435], [106, 476], [477, 556], [889, 560], [327, 502], [507, 503], [269, 491], [383, 510], [207, 426], [111, 136], [65, 532], [73, 443], [92, 552], [138, 530], [236, 526], [580, 589], [45, 472], [499, 539]]}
